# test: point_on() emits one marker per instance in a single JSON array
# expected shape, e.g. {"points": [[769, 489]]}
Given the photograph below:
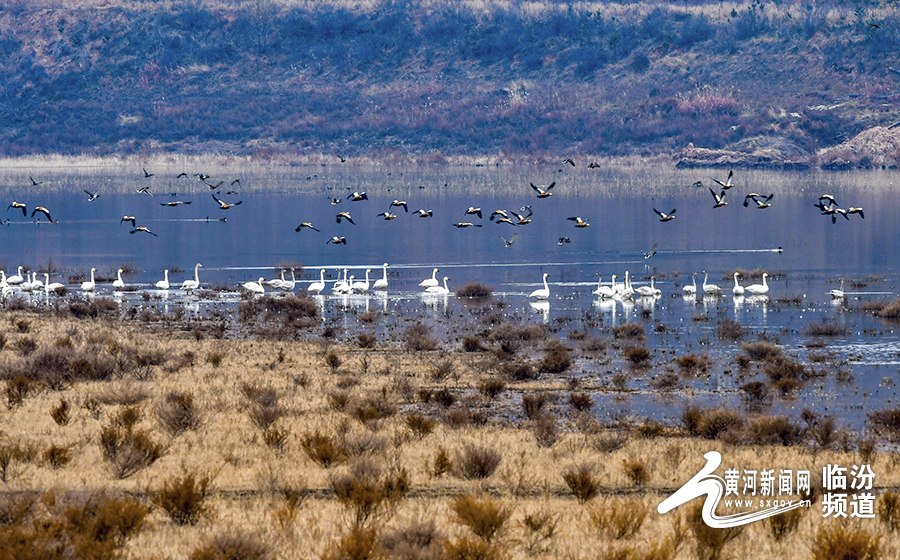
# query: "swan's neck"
{"points": [[197, 274], [546, 287], [384, 271], [764, 280], [166, 274]]}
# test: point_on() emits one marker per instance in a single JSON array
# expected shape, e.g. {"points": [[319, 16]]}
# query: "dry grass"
{"points": [[520, 501]]}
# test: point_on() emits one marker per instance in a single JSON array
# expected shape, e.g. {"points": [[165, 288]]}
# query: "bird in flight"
{"points": [[175, 203], [18, 205], [400, 203], [579, 223], [509, 242], [720, 198], [357, 196], [143, 229], [859, 211], [663, 217], [223, 205], [91, 196], [43, 211], [345, 216], [569, 161], [593, 165], [305, 225], [459, 225], [523, 219], [213, 187], [180, 175], [422, 213], [145, 190], [334, 201], [35, 183], [337, 240], [563, 240], [474, 211], [543, 192], [127, 219], [147, 174], [728, 182], [764, 203], [201, 176], [650, 253], [387, 215]]}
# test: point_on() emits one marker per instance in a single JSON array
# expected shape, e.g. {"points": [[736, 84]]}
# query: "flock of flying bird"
{"points": [[826, 204]]}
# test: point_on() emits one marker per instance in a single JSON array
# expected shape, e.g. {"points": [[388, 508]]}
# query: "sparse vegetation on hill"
{"points": [[769, 82]]}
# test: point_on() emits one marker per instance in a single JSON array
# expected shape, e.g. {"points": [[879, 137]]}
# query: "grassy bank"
{"points": [[173, 439]]}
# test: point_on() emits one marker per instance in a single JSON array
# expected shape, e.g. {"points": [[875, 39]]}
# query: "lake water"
{"points": [[618, 202]]}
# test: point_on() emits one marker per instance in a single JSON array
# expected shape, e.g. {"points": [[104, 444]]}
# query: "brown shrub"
{"points": [[420, 425], [621, 521], [322, 449], [472, 344], [492, 387], [419, 541], [761, 350], [826, 328], [519, 371], [709, 541], [61, 413], [836, 540], [785, 523], [729, 329], [581, 402], [582, 482], [418, 338], [474, 290], [886, 423], [889, 510], [485, 516], [177, 413], [359, 543], [637, 355], [365, 340], [773, 430], [636, 471], [533, 403], [363, 490], [545, 430], [475, 463], [630, 330], [183, 499], [233, 545], [17, 390], [57, 456], [557, 358]]}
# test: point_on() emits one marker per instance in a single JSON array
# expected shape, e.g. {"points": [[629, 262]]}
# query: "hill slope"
{"points": [[434, 79]]}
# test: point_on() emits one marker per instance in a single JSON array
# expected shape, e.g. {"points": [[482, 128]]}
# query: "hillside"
{"points": [[432, 80]]}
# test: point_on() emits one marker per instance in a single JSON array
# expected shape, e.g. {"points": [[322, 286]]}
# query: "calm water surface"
{"points": [[618, 203]]}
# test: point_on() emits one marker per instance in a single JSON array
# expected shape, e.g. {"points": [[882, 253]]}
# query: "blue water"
{"points": [[259, 235]]}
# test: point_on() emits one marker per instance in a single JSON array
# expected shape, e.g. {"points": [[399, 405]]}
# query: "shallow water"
{"points": [[618, 202]]}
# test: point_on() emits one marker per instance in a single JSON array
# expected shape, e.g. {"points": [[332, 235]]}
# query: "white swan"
{"points": [[276, 282], [51, 287], [189, 285], [341, 286], [317, 287], [164, 283], [3, 282], [440, 290], [738, 290], [542, 293], [759, 289], [35, 283], [838, 294], [430, 282], [627, 292], [382, 283], [692, 289], [118, 284], [255, 287], [361, 287], [648, 291], [91, 284], [603, 291], [287, 286], [16, 278], [710, 289]]}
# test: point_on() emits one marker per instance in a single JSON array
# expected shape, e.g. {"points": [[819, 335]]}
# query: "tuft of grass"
{"points": [[545, 430], [557, 358], [784, 524], [17, 390], [533, 404], [581, 402], [582, 481], [639, 356], [888, 510], [61, 413], [474, 290], [322, 449], [826, 328], [619, 518], [126, 449], [420, 425], [836, 540], [358, 543], [419, 540], [492, 387], [729, 329], [773, 430], [886, 423], [177, 413], [183, 498], [474, 462], [485, 517], [630, 330], [418, 338], [57, 456], [891, 310], [709, 542], [363, 490], [636, 471], [231, 545]]}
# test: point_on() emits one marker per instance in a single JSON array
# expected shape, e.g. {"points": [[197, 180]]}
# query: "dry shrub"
{"points": [[61, 413], [474, 290], [322, 449], [26, 346], [338, 400], [581, 402], [364, 491], [891, 310], [128, 394], [619, 518], [826, 328], [17, 390], [418, 338], [419, 541], [836, 540], [420, 425], [216, 357], [472, 344], [545, 430], [184, 498], [464, 415], [773, 430], [630, 330], [15, 508], [710, 423], [519, 371], [755, 392], [441, 464], [709, 541], [373, 408], [582, 481], [444, 397], [233, 545], [639, 356], [57, 456], [783, 524], [365, 340], [126, 449], [889, 510], [761, 350], [177, 413], [557, 358], [492, 388], [886, 423], [442, 369], [729, 329], [9, 453], [359, 543], [533, 403], [609, 443], [484, 516], [540, 528], [636, 471], [333, 361], [474, 462], [467, 548]]}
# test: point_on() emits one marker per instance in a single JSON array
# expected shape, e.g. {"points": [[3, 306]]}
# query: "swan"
{"points": [[189, 285], [838, 294], [759, 289], [90, 285], [317, 287], [16, 278], [440, 290], [361, 287], [430, 282], [275, 283], [164, 283], [35, 283], [604, 291], [118, 284], [342, 286], [3, 283], [51, 287], [542, 293], [382, 283], [648, 291], [255, 287], [738, 290], [627, 291], [692, 289], [288, 286], [710, 289]]}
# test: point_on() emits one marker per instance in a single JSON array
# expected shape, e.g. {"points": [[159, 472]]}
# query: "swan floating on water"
{"points": [[439, 290], [90, 285], [429, 282], [759, 289], [542, 293], [382, 283], [738, 290], [710, 289], [189, 285], [692, 289], [838, 294], [317, 287], [164, 283]]}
